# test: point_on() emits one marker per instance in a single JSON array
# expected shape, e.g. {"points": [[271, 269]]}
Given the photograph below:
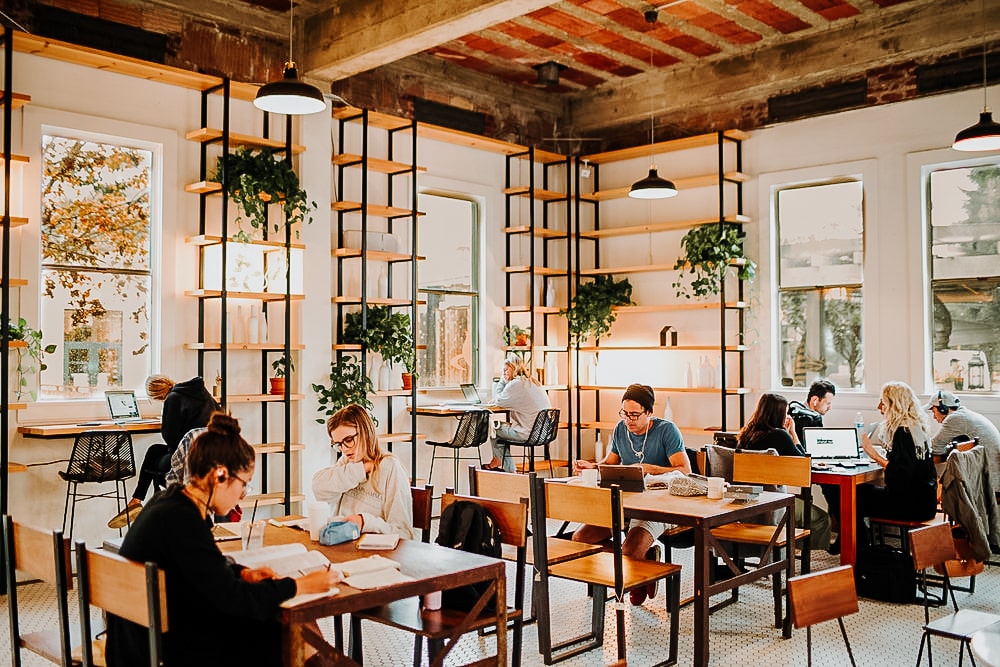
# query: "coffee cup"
{"points": [[318, 515], [716, 487], [589, 476]]}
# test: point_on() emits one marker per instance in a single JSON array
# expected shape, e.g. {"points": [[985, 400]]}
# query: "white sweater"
{"points": [[387, 508], [524, 399]]}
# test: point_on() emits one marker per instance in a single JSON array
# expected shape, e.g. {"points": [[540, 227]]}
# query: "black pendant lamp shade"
{"points": [[290, 95], [652, 187], [983, 136]]}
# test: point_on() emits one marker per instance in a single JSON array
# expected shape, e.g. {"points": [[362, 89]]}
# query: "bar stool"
{"points": [[97, 457], [472, 431]]}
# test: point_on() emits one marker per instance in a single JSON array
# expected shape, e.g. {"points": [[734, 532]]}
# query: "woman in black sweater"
{"points": [[219, 614]]}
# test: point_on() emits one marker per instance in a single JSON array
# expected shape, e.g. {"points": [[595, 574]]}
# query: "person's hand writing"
{"points": [[257, 574], [580, 465], [316, 582]]}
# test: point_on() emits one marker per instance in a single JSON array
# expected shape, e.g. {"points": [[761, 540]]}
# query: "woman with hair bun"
{"points": [[208, 598]]}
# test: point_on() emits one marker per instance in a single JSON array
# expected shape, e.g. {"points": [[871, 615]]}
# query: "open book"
{"points": [[371, 572], [378, 542], [287, 560]]}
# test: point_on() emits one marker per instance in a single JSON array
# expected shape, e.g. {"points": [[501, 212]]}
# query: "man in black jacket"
{"points": [[818, 403]]}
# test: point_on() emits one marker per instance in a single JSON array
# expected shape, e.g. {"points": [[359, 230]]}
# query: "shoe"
{"points": [[651, 589], [125, 517], [487, 466], [834, 547], [638, 595]]}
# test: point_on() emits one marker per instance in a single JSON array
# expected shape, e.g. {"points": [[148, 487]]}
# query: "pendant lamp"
{"points": [[290, 95], [984, 135], [653, 186]]}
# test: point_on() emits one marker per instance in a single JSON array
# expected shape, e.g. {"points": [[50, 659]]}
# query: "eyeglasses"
{"points": [[244, 482], [631, 416], [346, 442]]}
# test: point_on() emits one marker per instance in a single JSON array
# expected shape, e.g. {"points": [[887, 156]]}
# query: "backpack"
{"points": [[467, 526], [885, 573]]}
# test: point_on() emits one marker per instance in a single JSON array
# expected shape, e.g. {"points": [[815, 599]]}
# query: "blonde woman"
{"points": [[366, 485], [524, 398], [910, 491]]}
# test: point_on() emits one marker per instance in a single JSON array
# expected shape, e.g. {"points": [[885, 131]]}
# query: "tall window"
{"points": [[449, 283], [96, 269], [820, 231], [963, 211]]}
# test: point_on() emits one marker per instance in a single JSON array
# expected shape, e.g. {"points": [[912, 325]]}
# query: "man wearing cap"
{"points": [[956, 420], [656, 445]]}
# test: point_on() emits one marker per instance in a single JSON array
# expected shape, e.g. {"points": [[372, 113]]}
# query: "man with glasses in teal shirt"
{"points": [[656, 445]]}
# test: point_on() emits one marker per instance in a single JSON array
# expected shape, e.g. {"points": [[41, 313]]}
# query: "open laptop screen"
{"points": [[831, 443], [122, 405], [471, 393]]}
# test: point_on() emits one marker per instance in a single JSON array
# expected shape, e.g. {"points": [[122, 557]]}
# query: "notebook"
{"points": [[123, 407], [828, 443], [628, 478], [470, 393]]}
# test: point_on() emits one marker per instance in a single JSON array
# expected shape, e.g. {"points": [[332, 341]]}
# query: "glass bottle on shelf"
{"points": [[976, 370]]}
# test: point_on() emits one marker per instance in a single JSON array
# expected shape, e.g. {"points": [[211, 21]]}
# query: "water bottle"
{"points": [[859, 424]]}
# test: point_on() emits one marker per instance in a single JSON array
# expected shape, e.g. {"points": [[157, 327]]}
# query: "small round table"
{"points": [[986, 646]]}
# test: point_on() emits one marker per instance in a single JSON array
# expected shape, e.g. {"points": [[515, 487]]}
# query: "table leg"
{"points": [[501, 606], [848, 520], [786, 627], [701, 597], [293, 645]]}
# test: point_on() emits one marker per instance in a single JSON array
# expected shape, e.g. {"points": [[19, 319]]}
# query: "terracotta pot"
{"points": [[277, 385], [521, 340], [407, 381]]}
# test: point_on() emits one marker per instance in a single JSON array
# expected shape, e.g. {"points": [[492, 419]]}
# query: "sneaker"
{"points": [[638, 595], [834, 547], [125, 517]]}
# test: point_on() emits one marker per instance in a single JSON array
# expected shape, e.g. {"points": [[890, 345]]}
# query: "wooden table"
{"points": [[432, 567], [848, 479], [75, 429], [703, 514], [444, 410]]}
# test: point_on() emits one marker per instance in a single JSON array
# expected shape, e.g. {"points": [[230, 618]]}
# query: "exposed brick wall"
{"points": [[891, 84]]}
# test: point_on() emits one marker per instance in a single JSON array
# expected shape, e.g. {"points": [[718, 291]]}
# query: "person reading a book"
{"points": [[366, 485], [658, 447], [207, 597]]}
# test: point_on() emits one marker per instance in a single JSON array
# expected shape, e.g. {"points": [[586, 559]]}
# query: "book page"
{"points": [[377, 579], [287, 560], [366, 565], [376, 541]]}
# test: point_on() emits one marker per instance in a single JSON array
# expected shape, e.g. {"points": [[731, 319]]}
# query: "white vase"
{"points": [[550, 294], [551, 369], [385, 377]]}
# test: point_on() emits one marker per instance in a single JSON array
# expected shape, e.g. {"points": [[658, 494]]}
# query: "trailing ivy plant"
{"points": [[386, 332], [707, 255], [254, 179], [590, 313], [348, 384], [32, 338]]}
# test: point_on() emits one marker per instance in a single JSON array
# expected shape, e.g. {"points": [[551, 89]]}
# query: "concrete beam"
{"points": [[354, 36]]}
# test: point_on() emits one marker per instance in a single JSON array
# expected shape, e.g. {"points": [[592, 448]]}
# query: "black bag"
{"points": [[885, 573], [467, 526]]}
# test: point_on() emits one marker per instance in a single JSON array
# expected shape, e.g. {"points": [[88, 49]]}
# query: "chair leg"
{"points": [[843, 631], [620, 630], [418, 650], [809, 646], [66, 510]]}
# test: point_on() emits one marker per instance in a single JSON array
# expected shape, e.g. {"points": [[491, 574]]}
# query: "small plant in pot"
{"points": [[281, 367], [254, 179], [347, 384], [30, 356], [515, 336], [591, 312], [708, 252], [386, 332]]}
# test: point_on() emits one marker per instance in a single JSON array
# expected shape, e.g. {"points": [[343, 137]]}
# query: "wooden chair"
{"points": [[422, 499], [40, 554], [130, 590], [930, 546], [472, 431], [777, 471], [97, 457], [543, 432], [444, 627], [604, 570], [822, 596]]}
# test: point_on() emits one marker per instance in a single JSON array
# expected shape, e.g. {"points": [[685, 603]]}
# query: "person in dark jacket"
{"points": [[186, 405], [220, 614], [770, 427], [910, 491]]}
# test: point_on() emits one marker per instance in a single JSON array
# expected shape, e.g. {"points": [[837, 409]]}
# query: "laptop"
{"points": [[470, 393], [628, 478], [832, 444], [123, 408]]}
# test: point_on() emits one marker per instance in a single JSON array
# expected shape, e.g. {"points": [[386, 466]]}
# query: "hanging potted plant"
{"points": [[707, 256], [254, 179], [591, 312], [281, 368], [30, 355], [347, 384], [386, 333]]}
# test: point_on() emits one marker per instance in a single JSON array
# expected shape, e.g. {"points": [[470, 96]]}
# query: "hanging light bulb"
{"points": [[984, 135], [290, 95], [653, 186]]}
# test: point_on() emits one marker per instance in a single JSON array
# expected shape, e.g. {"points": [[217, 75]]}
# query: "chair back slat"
{"points": [[119, 586], [34, 553], [422, 498], [473, 429], [776, 470], [544, 429], [578, 504], [932, 545], [500, 485], [511, 517], [822, 596]]}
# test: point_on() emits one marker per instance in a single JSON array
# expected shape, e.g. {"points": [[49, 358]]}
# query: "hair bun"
{"points": [[223, 424]]}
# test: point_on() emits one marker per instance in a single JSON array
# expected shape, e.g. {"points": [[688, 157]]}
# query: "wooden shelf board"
{"points": [[247, 347], [469, 140], [638, 268], [540, 232], [380, 255], [204, 135], [669, 307], [697, 141], [347, 347], [379, 210], [209, 239], [24, 159], [655, 227], [16, 467], [733, 391], [374, 164], [539, 270], [391, 392], [543, 310], [203, 188], [539, 194], [608, 426], [276, 498], [401, 437], [551, 348], [256, 296], [682, 348], [375, 301], [260, 398], [688, 183], [17, 343], [276, 447], [18, 221], [18, 100], [17, 282], [377, 119]]}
